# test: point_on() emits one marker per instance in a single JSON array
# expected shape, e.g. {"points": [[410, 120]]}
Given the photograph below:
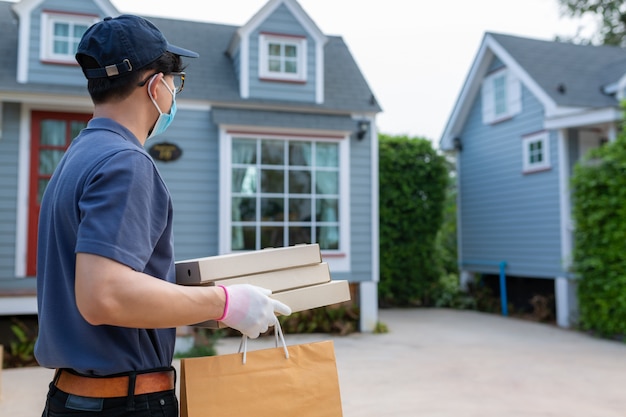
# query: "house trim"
{"points": [[375, 203], [337, 263], [545, 164], [282, 35], [18, 305], [281, 80], [478, 70], [583, 117], [21, 216], [565, 205], [285, 107], [244, 68], [284, 134], [54, 104]]}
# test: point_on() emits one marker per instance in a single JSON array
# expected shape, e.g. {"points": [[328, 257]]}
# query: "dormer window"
{"points": [[60, 35], [282, 58], [501, 96]]}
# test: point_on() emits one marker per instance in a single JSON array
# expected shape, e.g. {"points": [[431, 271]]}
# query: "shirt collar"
{"points": [[115, 127]]}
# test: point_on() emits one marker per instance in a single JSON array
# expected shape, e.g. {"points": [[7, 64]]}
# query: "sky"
{"points": [[414, 54]]}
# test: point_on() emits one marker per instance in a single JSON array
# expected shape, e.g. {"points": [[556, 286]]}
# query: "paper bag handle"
{"points": [[278, 333]]}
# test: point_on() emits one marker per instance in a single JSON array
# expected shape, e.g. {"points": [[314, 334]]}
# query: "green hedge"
{"points": [[413, 182], [599, 211]]}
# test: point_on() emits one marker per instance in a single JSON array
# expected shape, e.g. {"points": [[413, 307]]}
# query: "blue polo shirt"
{"points": [[107, 198]]}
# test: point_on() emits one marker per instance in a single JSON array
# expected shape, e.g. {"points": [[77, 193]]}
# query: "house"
{"points": [[529, 109], [274, 142]]}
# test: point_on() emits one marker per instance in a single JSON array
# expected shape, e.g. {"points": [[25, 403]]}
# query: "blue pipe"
{"points": [[503, 297], [502, 266]]}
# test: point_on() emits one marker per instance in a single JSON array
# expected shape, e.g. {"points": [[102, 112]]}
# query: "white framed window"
{"points": [[501, 96], [536, 152], [282, 58], [283, 191], [60, 35]]}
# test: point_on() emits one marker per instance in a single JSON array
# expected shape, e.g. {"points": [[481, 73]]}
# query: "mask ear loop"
{"points": [[150, 93], [172, 92]]}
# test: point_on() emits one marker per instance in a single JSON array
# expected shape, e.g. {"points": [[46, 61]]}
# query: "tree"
{"points": [[413, 183], [611, 16]]}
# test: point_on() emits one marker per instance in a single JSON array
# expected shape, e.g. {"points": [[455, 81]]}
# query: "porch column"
{"points": [[465, 279], [368, 293], [565, 292]]}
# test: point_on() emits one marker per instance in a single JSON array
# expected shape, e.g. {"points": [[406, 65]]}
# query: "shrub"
{"points": [[599, 211], [413, 181]]}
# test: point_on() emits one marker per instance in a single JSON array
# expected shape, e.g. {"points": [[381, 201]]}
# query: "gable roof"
{"points": [[241, 42], [297, 11], [212, 76], [566, 78]]}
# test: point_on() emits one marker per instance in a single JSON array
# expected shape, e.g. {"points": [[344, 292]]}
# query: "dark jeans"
{"points": [[158, 404]]}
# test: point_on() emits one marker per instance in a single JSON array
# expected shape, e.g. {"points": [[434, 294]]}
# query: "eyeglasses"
{"points": [[179, 81]]}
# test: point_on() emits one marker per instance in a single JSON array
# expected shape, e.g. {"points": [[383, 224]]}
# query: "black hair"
{"points": [[104, 90]]}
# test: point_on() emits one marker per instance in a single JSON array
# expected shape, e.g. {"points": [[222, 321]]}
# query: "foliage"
{"points": [[446, 242], [340, 319], [381, 328], [477, 296], [21, 350], [599, 193], [450, 295], [204, 344], [413, 181], [611, 15]]}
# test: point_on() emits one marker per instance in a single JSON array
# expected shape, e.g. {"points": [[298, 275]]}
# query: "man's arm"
{"points": [[108, 292]]}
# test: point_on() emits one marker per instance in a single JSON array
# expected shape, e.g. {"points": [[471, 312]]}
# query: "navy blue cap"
{"points": [[123, 44]]}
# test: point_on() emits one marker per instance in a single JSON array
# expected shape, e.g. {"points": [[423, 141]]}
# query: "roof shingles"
{"points": [[581, 70]]}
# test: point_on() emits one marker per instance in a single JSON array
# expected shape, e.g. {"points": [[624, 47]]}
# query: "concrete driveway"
{"points": [[440, 363]]}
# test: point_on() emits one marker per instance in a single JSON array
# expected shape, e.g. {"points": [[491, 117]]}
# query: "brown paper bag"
{"points": [[268, 384]]}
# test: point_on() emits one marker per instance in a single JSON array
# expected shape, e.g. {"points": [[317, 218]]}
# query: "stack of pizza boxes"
{"points": [[296, 276]]}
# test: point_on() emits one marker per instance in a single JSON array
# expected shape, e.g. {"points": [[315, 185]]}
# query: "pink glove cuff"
{"points": [[225, 303]]}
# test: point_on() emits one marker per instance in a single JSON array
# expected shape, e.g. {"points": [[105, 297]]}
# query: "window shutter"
{"points": [[514, 94], [488, 100]]}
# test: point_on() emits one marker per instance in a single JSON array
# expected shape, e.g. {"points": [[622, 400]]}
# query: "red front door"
{"points": [[51, 134]]}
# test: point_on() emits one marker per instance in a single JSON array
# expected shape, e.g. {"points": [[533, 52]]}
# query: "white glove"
{"points": [[250, 310]]}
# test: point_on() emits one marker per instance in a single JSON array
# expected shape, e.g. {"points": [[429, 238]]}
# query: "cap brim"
{"points": [[177, 50]]}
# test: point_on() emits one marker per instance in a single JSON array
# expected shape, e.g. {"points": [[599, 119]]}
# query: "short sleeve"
{"points": [[124, 210]]}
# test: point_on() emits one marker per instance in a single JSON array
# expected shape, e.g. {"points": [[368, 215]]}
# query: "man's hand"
{"points": [[250, 310]]}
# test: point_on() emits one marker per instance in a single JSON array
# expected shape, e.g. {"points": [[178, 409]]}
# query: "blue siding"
{"points": [[39, 72], [283, 22], [193, 180], [9, 145], [507, 215]]}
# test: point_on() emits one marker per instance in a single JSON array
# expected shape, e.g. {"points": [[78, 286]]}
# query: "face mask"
{"points": [[164, 120]]}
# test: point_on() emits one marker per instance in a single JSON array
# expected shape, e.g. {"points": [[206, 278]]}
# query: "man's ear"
{"points": [[154, 83]]}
